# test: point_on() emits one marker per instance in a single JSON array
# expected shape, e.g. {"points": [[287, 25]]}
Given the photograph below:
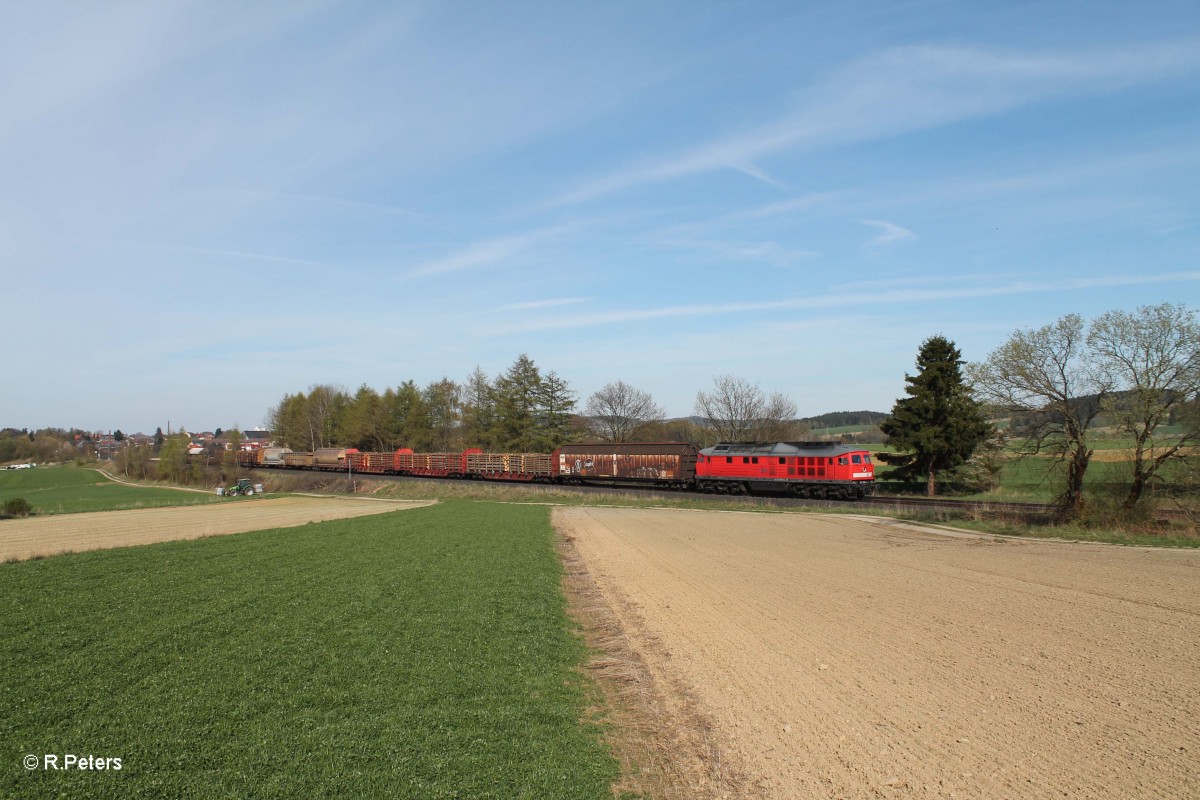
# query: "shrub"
{"points": [[17, 507]]}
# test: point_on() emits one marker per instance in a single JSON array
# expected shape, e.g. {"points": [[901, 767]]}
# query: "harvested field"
{"points": [[43, 536], [845, 657]]}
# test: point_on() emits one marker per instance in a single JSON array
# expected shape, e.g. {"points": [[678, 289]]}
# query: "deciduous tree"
{"points": [[1048, 378], [1153, 358], [619, 412], [737, 410]]}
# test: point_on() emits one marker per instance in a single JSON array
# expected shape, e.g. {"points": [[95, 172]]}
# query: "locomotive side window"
{"points": [[842, 460], [745, 459], [754, 460], [856, 459], [728, 459], [782, 460]]}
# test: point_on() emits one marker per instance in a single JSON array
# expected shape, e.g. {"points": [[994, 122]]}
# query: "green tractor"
{"points": [[243, 488]]}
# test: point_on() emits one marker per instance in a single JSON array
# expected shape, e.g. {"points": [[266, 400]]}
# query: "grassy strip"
{"points": [[71, 490], [424, 654], [1073, 533]]}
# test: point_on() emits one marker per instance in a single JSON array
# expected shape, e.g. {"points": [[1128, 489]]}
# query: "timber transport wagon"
{"points": [[805, 469], [374, 463], [432, 465], [670, 465], [510, 466], [248, 459]]}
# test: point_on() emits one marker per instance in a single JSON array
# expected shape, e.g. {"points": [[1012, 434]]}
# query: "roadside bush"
{"points": [[17, 507]]}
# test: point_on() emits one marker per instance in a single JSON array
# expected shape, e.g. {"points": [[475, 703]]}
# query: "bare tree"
{"points": [[1153, 357], [737, 410], [1047, 379], [619, 412]]}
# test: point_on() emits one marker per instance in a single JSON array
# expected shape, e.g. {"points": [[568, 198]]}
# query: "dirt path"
{"points": [[24, 538], [836, 657]]}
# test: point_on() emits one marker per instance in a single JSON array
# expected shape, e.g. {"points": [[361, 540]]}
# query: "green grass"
{"points": [[1028, 480], [1070, 532], [70, 490], [422, 654]]}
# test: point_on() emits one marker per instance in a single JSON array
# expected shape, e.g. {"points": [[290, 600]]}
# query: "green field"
{"points": [[69, 490], [840, 429], [422, 654]]}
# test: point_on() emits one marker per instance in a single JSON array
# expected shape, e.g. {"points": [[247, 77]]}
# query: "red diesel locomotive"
{"points": [[803, 469]]}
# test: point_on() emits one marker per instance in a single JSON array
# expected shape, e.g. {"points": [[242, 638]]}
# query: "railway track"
{"points": [[1032, 512]]}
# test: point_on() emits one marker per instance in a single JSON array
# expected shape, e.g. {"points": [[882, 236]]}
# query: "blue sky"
{"points": [[204, 206]]}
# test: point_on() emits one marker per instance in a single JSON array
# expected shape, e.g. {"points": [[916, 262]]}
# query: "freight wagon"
{"points": [[668, 465], [803, 469]]}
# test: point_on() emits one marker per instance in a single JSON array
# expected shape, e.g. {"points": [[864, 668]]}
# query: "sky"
{"points": [[205, 206]]}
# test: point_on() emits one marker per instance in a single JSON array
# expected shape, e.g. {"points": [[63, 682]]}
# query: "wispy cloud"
{"points": [[769, 252], [847, 299], [344, 202], [889, 232], [304, 262], [481, 254], [907, 89], [558, 301]]}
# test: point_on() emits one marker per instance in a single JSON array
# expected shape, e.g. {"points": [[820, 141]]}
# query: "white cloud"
{"points": [[889, 232]]}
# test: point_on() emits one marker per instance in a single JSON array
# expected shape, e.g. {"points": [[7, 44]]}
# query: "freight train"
{"points": [[802, 469]]}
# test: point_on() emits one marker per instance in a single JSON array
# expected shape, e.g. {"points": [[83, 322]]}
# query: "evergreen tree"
{"points": [[407, 417], [557, 406], [443, 404], [939, 425], [517, 394], [478, 410]]}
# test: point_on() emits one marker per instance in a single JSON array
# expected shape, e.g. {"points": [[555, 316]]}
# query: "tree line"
{"points": [[40, 446], [523, 409]]}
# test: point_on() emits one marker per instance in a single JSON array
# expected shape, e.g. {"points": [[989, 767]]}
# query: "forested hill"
{"points": [[837, 419]]}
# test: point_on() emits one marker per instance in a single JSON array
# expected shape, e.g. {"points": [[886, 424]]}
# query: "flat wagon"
{"points": [[510, 466]]}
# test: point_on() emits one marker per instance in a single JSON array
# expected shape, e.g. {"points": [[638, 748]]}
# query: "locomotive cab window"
{"points": [[856, 459], [843, 460]]}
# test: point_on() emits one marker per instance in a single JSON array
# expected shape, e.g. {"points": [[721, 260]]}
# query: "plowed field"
{"points": [[25, 538], [839, 657]]}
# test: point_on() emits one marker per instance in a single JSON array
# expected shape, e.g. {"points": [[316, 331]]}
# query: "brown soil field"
{"points": [[806, 656], [43, 536]]}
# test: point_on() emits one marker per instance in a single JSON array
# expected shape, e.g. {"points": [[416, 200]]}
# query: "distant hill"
{"points": [[841, 419]]}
